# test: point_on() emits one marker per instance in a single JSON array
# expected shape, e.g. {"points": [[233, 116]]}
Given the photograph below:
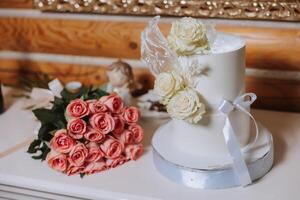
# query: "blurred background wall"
{"points": [[80, 46]]}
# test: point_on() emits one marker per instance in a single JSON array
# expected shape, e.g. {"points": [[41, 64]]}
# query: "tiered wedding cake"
{"points": [[223, 78], [210, 142]]}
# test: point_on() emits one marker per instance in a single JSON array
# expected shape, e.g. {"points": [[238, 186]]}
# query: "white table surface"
{"points": [[24, 178]]}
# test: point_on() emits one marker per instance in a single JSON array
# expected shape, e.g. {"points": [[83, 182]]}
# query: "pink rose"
{"points": [[95, 167], [119, 125], [112, 148], [113, 102], [76, 128], [126, 137], [102, 122], [95, 152], [134, 151], [96, 106], [77, 109], [78, 154], [61, 142], [57, 161], [131, 114], [115, 162], [94, 135], [72, 170], [137, 131]]}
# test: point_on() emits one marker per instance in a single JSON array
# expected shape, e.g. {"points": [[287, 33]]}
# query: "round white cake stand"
{"points": [[210, 173]]}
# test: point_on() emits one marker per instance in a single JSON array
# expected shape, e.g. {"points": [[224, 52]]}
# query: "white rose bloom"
{"points": [[186, 105], [167, 84], [188, 37]]}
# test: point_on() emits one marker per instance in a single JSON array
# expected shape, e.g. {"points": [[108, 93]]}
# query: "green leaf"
{"points": [[58, 102], [45, 115], [94, 93], [82, 175], [55, 117], [60, 124], [44, 150], [34, 146], [44, 132], [37, 157], [68, 96]]}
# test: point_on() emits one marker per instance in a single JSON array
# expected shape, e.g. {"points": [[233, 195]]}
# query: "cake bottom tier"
{"points": [[211, 172], [206, 138]]}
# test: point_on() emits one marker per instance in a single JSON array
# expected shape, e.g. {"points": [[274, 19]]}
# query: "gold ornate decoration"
{"points": [[288, 10]]}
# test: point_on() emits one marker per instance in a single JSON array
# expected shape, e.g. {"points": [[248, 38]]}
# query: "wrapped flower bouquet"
{"points": [[87, 132]]}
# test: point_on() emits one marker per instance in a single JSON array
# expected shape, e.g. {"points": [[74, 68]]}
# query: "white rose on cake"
{"points": [[188, 37], [186, 105], [167, 84]]}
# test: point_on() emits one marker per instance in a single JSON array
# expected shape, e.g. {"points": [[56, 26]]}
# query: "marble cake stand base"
{"points": [[214, 173]]}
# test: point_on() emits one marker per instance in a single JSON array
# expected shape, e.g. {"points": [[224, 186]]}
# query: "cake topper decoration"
{"points": [[161, 54], [182, 102], [188, 37], [154, 49], [174, 83]]}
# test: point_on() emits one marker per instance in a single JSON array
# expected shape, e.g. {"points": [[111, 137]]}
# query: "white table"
{"points": [[24, 178]]}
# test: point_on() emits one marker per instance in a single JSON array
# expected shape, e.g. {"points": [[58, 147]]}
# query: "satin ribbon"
{"points": [[42, 98], [56, 87], [238, 163]]}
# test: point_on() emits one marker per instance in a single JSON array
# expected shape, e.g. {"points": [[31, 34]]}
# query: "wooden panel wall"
{"points": [[268, 48]]}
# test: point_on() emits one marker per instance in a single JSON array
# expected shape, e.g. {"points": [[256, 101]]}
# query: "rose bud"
{"points": [[95, 152], [116, 161], [126, 137], [112, 148], [137, 131], [134, 151], [57, 161], [61, 142], [76, 128], [119, 125], [131, 114], [94, 135], [96, 106], [95, 167], [78, 155], [72, 169], [77, 109], [114, 102], [102, 122]]}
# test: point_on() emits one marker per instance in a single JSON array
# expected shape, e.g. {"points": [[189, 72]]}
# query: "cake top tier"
{"points": [[224, 43], [195, 67]]}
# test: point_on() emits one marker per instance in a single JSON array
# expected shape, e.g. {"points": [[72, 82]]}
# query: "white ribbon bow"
{"points": [[239, 164]]}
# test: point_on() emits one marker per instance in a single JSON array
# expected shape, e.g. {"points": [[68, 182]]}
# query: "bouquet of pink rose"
{"points": [[87, 132]]}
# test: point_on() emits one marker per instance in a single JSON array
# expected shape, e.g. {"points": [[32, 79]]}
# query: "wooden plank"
{"points": [[268, 48], [16, 4], [272, 94]]}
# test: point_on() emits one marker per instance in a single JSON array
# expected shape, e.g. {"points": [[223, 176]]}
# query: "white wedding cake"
{"points": [[200, 77], [223, 79]]}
